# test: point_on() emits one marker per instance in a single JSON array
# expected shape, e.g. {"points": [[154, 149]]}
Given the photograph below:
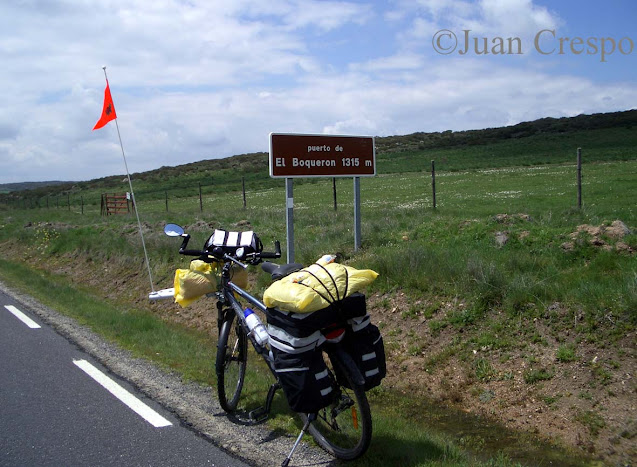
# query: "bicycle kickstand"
{"points": [[310, 418]]}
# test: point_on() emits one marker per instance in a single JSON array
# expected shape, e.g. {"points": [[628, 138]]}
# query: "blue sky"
{"points": [[197, 79]]}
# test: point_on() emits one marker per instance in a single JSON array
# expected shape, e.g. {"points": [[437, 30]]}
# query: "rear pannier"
{"points": [[298, 361], [296, 340], [364, 343]]}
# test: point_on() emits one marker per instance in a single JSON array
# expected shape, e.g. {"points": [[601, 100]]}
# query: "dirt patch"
{"points": [[588, 403], [606, 237]]}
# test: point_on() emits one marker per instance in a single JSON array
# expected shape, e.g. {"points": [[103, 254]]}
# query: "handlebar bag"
{"points": [[364, 342], [298, 361], [231, 241]]}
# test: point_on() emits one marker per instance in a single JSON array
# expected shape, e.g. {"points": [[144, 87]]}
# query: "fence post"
{"points": [[166, 193], [334, 191], [433, 182], [68, 200], [243, 189], [200, 200], [82, 203], [579, 178]]}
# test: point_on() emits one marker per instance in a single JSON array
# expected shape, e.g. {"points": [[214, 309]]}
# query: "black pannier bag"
{"points": [[364, 343], [298, 361], [231, 241], [295, 340]]}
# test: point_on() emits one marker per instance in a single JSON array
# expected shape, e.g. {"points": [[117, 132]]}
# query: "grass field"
{"points": [[455, 253]]}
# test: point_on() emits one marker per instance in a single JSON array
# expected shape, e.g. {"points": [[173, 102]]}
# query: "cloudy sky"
{"points": [[201, 79]]}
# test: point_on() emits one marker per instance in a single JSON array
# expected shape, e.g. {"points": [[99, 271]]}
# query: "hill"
{"points": [[608, 136], [22, 186]]}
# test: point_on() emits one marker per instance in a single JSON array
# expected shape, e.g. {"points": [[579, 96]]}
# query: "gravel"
{"points": [[193, 404]]}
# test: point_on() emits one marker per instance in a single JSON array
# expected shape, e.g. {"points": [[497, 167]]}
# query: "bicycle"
{"points": [[343, 428]]}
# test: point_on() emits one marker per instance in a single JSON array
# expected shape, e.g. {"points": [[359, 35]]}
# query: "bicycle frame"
{"points": [[226, 296]]}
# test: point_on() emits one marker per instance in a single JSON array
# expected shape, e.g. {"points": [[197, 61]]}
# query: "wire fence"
{"points": [[199, 195]]}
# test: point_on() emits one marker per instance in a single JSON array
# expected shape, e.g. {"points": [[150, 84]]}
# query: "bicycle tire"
{"points": [[230, 365], [344, 429]]}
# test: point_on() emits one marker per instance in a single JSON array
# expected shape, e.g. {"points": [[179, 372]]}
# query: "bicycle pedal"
{"points": [[258, 415]]}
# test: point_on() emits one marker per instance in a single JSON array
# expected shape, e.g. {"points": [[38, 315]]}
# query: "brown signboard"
{"points": [[294, 155]]}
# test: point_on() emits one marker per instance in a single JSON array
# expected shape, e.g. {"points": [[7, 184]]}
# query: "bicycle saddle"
{"points": [[277, 271]]}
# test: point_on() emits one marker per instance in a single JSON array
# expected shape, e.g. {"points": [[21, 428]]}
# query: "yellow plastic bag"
{"points": [[201, 279], [190, 284], [316, 287], [239, 276]]}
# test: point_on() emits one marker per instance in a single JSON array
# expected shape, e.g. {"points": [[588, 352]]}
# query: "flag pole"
{"points": [[132, 193]]}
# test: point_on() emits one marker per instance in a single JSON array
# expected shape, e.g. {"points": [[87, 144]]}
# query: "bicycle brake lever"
{"points": [[235, 260]]}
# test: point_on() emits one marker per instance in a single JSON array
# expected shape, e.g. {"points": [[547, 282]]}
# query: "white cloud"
{"points": [[502, 18], [202, 79]]}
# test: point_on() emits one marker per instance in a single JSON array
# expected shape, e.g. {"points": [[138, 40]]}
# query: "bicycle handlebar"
{"points": [[218, 253]]}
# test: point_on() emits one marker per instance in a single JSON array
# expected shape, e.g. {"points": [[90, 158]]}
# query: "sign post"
{"points": [[303, 155], [289, 218], [357, 213]]}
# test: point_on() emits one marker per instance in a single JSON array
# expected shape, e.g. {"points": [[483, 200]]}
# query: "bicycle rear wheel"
{"points": [[344, 428], [232, 356]]}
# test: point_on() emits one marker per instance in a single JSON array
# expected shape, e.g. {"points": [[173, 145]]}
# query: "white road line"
{"points": [[123, 395], [22, 317]]}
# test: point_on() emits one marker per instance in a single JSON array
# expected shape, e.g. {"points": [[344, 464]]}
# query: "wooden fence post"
{"points": [[243, 189], [334, 191], [200, 200], [433, 182], [579, 178], [166, 193]]}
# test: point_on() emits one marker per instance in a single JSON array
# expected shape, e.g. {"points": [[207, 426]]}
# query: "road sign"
{"points": [[298, 155]]}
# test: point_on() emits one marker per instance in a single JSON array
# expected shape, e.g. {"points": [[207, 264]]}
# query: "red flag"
{"points": [[108, 112]]}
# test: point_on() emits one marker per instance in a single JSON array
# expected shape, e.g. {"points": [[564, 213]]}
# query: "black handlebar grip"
{"points": [[265, 254], [276, 254], [191, 252]]}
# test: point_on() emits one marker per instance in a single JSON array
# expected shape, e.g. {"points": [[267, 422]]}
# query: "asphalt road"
{"points": [[54, 413]]}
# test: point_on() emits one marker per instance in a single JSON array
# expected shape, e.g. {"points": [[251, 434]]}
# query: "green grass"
{"points": [[449, 253], [533, 376], [566, 353]]}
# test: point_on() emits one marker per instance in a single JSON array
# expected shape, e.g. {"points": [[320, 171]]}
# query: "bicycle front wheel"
{"points": [[344, 428], [232, 357]]}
